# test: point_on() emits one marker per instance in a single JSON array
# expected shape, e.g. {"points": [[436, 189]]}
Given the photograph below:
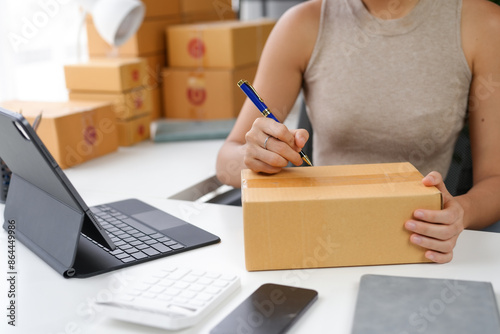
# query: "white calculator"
{"points": [[171, 298]]}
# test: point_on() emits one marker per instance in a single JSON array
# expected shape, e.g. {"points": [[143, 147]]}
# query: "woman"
{"points": [[384, 81]]}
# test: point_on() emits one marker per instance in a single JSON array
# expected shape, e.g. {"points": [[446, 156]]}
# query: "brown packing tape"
{"points": [[333, 180]]}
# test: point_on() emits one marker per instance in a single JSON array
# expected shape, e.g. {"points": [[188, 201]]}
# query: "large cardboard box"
{"points": [[73, 132], [126, 105], [106, 74], [149, 39], [220, 44], [133, 131], [204, 93], [331, 216]]}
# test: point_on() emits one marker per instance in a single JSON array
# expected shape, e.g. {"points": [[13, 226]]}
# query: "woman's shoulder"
{"points": [[303, 14], [481, 16], [480, 31]]}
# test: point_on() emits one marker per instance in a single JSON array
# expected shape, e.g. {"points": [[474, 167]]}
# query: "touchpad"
{"points": [[158, 219]]}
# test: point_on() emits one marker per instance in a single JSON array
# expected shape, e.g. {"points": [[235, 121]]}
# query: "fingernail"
{"points": [[416, 239], [430, 178], [430, 256], [411, 226], [419, 214]]}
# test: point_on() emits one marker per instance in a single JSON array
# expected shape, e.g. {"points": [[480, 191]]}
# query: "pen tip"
{"points": [[306, 159]]}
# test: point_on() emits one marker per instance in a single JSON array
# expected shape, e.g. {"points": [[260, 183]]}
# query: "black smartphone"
{"points": [[272, 308]]}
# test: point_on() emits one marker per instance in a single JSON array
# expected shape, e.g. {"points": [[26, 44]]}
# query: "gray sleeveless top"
{"points": [[387, 90]]}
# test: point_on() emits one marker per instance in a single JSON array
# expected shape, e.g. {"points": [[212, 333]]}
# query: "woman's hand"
{"points": [[271, 145], [437, 230]]}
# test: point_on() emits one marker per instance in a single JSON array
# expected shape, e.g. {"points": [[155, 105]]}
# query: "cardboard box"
{"points": [[126, 105], [205, 93], [149, 39], [73, 132], [194, 6], [159, 8], [332, 216], [106, 75], [221, 44], [134, 130], [190, 18], [154, 65], [157, 103]]}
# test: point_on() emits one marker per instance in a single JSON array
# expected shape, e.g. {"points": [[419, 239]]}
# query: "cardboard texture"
{"points": [[159, 8], [221, 44], [212, 15], [154, 65], [156, 103], [194, 6], [205, 93], [149, 39], [333, 216], [73, 132], [134, 130], [126, 105], [106, 74]]}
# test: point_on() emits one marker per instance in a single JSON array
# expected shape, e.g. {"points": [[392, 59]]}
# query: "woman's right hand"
{"points": [[271, 145]]}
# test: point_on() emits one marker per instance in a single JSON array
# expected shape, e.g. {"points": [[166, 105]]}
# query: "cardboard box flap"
{"points": [[330, 182]]}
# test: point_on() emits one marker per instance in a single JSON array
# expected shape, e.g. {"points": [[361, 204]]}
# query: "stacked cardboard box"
{"points": [[73, 132], [150, 43], [206, 60], [121, 82]]}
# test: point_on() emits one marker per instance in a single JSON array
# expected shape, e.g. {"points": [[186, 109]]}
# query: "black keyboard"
{"points": [[5, 174], [133, 240]]}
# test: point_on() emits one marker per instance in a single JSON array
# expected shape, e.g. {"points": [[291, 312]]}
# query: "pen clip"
{"points": [[244, 82]]}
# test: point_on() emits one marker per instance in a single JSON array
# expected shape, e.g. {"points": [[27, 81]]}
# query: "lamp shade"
{"points": [[115, 20]]}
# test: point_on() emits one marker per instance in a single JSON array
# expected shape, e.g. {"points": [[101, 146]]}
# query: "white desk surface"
{"points": [[48, 303]]}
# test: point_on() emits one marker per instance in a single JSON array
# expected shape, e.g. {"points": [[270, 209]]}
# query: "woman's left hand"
{"points": [[437, 230]]}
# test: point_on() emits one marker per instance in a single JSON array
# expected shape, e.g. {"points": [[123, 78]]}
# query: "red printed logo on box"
{"points": [[196, 92], [141, 130], [90, 135], [196, 48], [138, 102], [135, 75]]}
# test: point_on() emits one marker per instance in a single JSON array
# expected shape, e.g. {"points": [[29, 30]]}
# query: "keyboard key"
{"points": [[139, 255], [116, 252], [131, 250], [150, 251], [121, 255], [161, 248]]}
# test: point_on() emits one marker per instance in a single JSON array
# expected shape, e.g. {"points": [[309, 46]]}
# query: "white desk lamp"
{"points": [[115, 20]]}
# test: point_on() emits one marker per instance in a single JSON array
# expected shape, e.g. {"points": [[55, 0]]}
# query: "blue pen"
{"points": [[264, 110]]}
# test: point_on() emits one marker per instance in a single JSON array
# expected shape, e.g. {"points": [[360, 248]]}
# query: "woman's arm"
{"points": [[482, 202], [439, 230], [278, 81]]}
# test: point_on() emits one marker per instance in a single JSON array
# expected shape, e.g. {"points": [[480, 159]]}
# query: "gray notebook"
{"points": [[408, 305]]}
